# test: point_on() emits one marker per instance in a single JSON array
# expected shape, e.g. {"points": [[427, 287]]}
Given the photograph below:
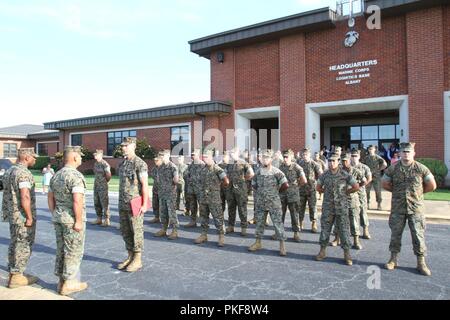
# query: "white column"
{"points": [[242, 132], [447, 132], [404, 121], [312, 126]]}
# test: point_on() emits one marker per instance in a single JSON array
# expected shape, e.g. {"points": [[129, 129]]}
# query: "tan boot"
{"points": [[106, 223], [348, 258], [366, 234], [60, 284], [297, 236], [283, 249], [322, 254], [20, 280], [136, 264], [393, 262], [155, 220], [274, 237], [357, 245], [186, 213], [161, 233], [72, 286], [229, 230], [97, 222], [422, 267], [256, 246], [336, 242], [302, 226], [243, 232], [314, 228], [192, 224], [123, 265], [253, 221], [173, 235], [221, 242], [202, 239]]}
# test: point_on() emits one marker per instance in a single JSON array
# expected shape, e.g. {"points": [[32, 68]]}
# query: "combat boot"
{"points": [[187, 213], [253, 221], [60, 284], [348, 258], [155, 220], [366, 234], [357, 245], [192, 224], [221, 242], [322, 254], [422, 266], [283, 249], [274, 237], [97, 222], [230, 229], [173, 235], [302, 226], [297, 236], [72, 286], [393, 262], [106, 223], [256, 246], [202, 239], [336, 242], [136, 264], [314, 228], [123, 265], [161, 233], [20, 280], [243, 232]]}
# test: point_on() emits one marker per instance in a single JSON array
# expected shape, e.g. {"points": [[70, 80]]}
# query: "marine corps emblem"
{"points": [[351, 38]]}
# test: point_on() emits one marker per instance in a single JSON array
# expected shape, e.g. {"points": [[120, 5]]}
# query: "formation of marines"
{"points": [[279, 182]]}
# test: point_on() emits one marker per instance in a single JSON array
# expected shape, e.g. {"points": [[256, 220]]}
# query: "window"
{"points": [[42, 149], [355, 133], [387, 132], [77, 140], [115, 138], [10, 150], [179, 140], [370, 133]]}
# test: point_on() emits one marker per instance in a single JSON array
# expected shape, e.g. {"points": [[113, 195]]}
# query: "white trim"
{"points": [[239, 115], [41, 142], [356, 101], [447, 132]]}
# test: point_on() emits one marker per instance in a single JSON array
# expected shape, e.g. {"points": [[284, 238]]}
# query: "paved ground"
{"points": [[182, 270]]}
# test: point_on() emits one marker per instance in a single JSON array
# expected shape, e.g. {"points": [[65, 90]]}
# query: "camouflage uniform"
{"points": [[167, 194], [374, 162], [364, 216], [22, 238], [132, 228], [69, 243], [155, 199], [353, 200], [308, 191], [101, 198], [193, 186], [224, 190], [291, 197], [408, 204], [335, 206], [238, 193], [180, 186], [267, 184], [210, 202]]}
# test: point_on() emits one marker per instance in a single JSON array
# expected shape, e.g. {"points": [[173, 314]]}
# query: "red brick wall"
{"points": [[326, 48], [52, 147], [20, 144], [222, 77], [426, 81], [447, 45], [293, 91], [257, 75]]}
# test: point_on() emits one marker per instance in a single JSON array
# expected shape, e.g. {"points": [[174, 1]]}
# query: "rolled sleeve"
{"points": [[25, 185]]}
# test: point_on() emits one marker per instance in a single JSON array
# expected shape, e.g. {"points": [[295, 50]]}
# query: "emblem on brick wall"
{"points": [[351, 38]]}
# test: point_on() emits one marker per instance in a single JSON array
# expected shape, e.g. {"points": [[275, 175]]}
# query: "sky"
{"points": [[62, 59]]}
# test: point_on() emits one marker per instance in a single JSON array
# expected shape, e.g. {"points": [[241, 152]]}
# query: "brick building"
{"points": [[308, 79]]}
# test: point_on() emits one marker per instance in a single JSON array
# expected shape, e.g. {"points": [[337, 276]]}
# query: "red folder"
{"points": [[136, 205]]}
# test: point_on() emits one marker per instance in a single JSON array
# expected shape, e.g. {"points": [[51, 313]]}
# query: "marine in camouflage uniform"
{"points": [[155, 199], [102, 171], [17, 180], [408, 180], [376, 165], [168, 179], [132, 171], [291, 197], [321, 160], [365, 170], [268, 182], [308, 192], [239, 171], [212, 176], [193, 185], [64, 186], [181, 167], [336, 184], [224, 190]]}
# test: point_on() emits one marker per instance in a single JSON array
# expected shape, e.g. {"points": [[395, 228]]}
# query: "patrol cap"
{"points": [[338, 149], [76, 149], [356, 152], [128, 140], [407, 147], [27, 152], [98, 152], [346, 157], [267, 153], [334, 156], [316, 153], [289, 152], [371, 147], [306, 150]]}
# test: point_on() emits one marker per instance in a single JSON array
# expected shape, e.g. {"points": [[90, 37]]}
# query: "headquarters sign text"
{"points": [[353, 73]]}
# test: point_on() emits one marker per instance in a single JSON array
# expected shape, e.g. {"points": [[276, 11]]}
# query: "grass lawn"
{"points": [[439, 195], [113, 184]]}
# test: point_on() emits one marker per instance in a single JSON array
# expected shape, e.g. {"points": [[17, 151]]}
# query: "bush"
{"points": [[143, 150], [41, 163], [437, 168], [88, 172], [113, 171]]}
